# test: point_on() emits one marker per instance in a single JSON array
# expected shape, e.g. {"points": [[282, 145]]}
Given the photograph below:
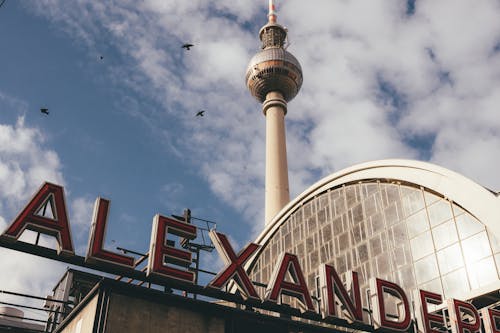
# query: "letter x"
{"points": [[234, 265]]}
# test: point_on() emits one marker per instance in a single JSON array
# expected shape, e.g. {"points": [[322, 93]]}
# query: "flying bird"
{"points": [[44, 111], [2, 2], [200, 113], [187, 46]]}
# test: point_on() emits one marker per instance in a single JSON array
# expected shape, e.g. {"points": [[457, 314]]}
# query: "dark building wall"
{"points": [[130, 314]]}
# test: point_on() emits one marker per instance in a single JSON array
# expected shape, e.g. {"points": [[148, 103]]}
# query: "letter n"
{"points": [[33, 217], [332, 286]]}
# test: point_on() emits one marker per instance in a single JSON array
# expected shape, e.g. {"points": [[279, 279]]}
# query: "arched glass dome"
{"points": [[392, 229]]}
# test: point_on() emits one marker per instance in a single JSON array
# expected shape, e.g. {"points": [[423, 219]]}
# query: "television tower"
{"points": [[274, 77]]}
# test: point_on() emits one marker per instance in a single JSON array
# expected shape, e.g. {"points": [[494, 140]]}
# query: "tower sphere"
{"points": [[273, 68]]}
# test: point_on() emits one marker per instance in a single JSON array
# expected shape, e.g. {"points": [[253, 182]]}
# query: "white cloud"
{"points": [[376, 83], [24, 165], [80, 216]]}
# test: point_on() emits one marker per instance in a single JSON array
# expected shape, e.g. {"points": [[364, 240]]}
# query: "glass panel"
{"points": [[455, 284], [439, 212], [445, 234], [327, 233], [344, 241], [377, 223], [405, 278], [357, 213], [399, 233], [482, 273], [363, 253], [351, 196], [468, 226], [457, 210], [413, 200], [433, 286], [340, 264], [495, 242], [370, 206], [323, 216], [391, 214], [476, 247], [383, 265], [450, 259], [359, 233], [338, 226], [392, 193], [375, 246], [417, 223], [402, 255], [430, 198], [340, 205], [422, 245], [426, 269]]}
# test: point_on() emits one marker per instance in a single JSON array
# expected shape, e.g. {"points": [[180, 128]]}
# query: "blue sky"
{"points": [[382, 79], [103, 148]]}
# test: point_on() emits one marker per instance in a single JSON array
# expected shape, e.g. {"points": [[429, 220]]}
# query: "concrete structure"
{"points": [[114, 306], [412, 223], [274, 77]]}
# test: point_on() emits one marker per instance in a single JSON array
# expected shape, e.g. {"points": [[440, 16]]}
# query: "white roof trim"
{"points": [[476, 199]]}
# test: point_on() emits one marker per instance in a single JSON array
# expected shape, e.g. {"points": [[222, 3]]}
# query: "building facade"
{"points": [[412, 223]]}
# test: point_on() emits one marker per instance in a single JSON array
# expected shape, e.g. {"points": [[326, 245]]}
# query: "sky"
{"points": [[416, 79]]}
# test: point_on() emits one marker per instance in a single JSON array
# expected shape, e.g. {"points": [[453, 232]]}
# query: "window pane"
{"points": [[445, 234], [476, 247], [495, 242], [455, 284], [468, 226], [482, 273], [422, 245], [430, 198], [439, 212], [417, 223], [405, 278], [413, 200], [433, 286], [450, 259], [426, 269], [383, 265]]}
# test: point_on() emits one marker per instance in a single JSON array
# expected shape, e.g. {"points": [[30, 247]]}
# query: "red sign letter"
{"points": [[490, 319], [32, 217], [381, 319], [234, 265], [427, 320], [298, 288], [95, 251], [332, 285], [161, 252], [457, 310]]}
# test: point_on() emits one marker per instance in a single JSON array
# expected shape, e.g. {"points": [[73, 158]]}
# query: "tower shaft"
{"points": [[274, 77], [277, 193]]}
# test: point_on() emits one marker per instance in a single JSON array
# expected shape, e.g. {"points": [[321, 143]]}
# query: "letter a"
{"points": [[56, 226], [289, 263]]}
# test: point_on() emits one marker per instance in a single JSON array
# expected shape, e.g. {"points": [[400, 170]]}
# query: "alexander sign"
{"points": [[168, 265]]}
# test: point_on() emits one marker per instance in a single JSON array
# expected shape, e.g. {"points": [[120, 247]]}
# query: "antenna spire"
{"points": [[272, 12]]}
